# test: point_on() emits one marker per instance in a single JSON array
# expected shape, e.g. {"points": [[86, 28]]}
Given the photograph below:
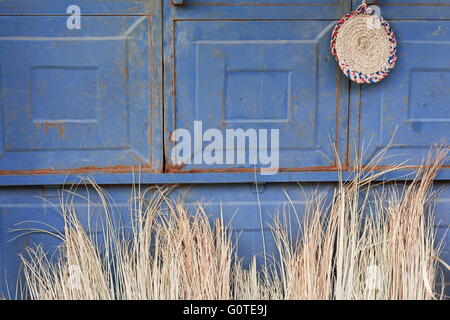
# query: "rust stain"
{"points": [[82, 170], [175, 168], [416, 4], [150, 43], [263, 4], [60, 127], [170, 136], [49, 124], [338, 98], [136, 158], [359, 118]]}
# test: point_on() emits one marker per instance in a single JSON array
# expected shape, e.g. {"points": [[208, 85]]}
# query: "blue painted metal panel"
{"points": [[53, 136], [201, 178], [77, 100], [258, 9], [412, 9], [88, 7], [410, 107], [241, 73]]}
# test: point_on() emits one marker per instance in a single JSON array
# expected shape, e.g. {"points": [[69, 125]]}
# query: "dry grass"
{"points": [[369, 242]]}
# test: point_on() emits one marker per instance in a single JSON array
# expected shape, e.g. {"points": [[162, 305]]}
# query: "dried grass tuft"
{"points": [[371, 241]]}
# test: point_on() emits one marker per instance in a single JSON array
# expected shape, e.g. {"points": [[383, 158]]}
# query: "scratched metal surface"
{"points": [[409, 109], [270, 73], [206, 40], [82, 100], [90, 101]]}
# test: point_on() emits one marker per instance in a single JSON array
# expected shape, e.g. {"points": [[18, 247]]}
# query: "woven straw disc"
{"points": [[362, 46]]}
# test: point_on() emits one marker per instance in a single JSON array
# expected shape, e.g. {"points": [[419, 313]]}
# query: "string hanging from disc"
{"points": [[364, 45]]}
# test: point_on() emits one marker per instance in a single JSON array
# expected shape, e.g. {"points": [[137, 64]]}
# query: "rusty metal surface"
{"points": [[408, 113], [82, 101], [176, 20], [82, 170], [44, 145]]}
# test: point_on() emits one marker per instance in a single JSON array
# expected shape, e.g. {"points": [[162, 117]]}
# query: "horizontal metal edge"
{"points": [[200, 178]]}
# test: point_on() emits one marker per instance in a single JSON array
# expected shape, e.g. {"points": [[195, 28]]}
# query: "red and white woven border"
{"points": [[356, 75]]}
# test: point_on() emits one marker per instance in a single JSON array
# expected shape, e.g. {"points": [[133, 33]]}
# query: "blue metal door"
{"points": [[410, 108], [266, 64], [80, 99], [256, 65]]}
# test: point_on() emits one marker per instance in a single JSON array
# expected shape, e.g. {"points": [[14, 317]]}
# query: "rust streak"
{"points": [[261, 4], [60, 127], [150, 113], [175, 169], [172, 168], [359, 117], [416, 4], [81, 170], [338, 98]]}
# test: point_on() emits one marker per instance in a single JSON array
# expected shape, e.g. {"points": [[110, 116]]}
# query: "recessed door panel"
{"points": [[77, 99], [409, 109], [257, 75]]}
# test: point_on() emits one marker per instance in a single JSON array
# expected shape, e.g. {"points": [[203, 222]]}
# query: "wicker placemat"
{"points": [[364, 46]]}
